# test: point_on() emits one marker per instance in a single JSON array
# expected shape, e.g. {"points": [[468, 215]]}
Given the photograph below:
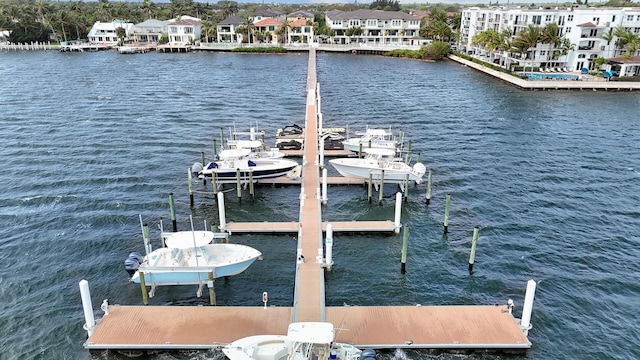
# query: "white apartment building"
{"points": [[378, 27], [184, 30], [106, 33], [583, 26]]}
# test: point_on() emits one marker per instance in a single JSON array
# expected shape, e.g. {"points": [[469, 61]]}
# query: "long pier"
{"points": [[464, 327]]}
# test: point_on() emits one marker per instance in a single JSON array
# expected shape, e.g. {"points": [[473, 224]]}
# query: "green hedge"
{"points": [[266, 49]]}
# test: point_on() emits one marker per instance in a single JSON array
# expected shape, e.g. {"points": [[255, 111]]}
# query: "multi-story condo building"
{"points": [[587, 28], [375, 27]]}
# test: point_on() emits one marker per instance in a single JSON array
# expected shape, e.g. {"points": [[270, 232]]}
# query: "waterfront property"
{"points": [[106, 32], [590, 33]]}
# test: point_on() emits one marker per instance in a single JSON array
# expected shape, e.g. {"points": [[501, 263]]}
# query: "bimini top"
{"points": [[311, 332], [187, 239], [248, 144], [234, 153]]}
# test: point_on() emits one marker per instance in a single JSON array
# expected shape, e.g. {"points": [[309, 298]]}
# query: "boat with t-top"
{"points": [[378, 163]]}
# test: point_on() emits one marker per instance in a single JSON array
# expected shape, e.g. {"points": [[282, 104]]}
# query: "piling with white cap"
{"points": [[172, 209], [238, 185], [324, 186], [189, 181], [446, 213], [396, 219], [381, 192], [525, 322], [90, 321], [472, 255], [405, 241], [329, 247], [221, 215], [429, 187]]}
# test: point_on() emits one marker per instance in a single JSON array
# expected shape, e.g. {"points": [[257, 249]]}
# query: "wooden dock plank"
{"points": [[290, 227], [428, 327], [331, 180], [189, 327]]}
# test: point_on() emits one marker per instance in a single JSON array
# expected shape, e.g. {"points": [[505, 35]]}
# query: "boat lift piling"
{"points": [[381, 187], [428, 195], [212, 291], [472, 255], [215, 149], [397, 214], [87, 307], [370, 187], [238, 185], [221, 214], [251, 185], [214, 183], [324, 186], [446, 213], [405, 241], [143, 288], [406, 188], [525, 321], [189, 181], [329, 247], [172, 208]]}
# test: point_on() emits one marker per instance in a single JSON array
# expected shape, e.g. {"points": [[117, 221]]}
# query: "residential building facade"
{"points": [[226, 30], [149, 30], [376, 27], [105, 32], [585, 27], [184, 30]]}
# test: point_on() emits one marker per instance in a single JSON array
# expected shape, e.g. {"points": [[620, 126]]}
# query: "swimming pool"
{"points": [[541, 76]]}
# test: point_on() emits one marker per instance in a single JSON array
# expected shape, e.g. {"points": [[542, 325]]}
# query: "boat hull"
{"points": [[176, 266], [362, 168], [263, 169]]}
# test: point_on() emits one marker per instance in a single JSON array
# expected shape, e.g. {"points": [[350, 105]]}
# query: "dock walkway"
{"points": [[419, 327]]}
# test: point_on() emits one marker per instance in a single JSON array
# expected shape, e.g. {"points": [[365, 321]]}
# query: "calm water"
{"points": [[90, 141]]}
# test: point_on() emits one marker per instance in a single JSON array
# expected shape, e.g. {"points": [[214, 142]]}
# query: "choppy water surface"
{"points": [[90, 141]]}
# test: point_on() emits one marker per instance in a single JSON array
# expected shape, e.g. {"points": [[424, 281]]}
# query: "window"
{"points": [[636, 30], [581, 56], [593, 32], [396, 22], [188, 30], [569, 17], [543, 52], [596, 20], [547, 18], [536, 19], [629, 17], [568, 30], [372, 23], [173, 29]]}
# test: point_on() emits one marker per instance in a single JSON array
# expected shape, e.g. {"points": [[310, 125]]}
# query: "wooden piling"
{"points": [[212, 292], [381, 188], [143, 287], [370, 187], [238, 185], [472, 255], [251, 187], [215, 149], [406, 188], [202, 158], [405, 241], [429, 187], [360, 151], [446, 213], [214, 183], [189, 181], [172, 208]]}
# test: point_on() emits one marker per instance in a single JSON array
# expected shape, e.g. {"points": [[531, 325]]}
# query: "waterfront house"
{"points": [[301, 14], [267, 27], [300, 32], [149, 30], [105, 33], [184, 30], [374, 27], [227, 30], [588, 29], [262, 14]]}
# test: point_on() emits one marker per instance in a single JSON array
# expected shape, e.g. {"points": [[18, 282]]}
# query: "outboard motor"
{"points": [[368, 354], [419, 169], [133, 263], [196, 168]]}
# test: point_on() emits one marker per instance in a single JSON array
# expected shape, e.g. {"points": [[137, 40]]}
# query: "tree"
{"points": [[148, 7], [527, 39], [387, 5], [121, 33], [228, 8]]}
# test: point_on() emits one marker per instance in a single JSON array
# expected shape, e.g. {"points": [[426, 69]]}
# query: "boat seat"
{"points": [[176, 256]]}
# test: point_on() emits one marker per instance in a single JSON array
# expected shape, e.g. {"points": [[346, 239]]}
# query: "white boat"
{"points": [[188, 264], [376, 160], [253, 141], [304, 341], [371, 138], [233, 161]]}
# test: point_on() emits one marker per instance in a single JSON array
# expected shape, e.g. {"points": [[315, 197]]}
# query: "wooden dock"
{"points": [[480, 328]]}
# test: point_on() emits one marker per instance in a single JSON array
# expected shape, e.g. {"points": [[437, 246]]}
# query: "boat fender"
{"points": [[196, 167], [132, 263], [368, 354]]}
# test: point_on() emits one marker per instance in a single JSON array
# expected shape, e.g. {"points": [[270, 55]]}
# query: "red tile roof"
{"points": [[588, 24], [299, 22], [268, 22]]}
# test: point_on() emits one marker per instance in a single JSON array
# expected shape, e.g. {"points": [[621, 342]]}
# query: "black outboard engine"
{"points": [[133, 263], [368, 354]]}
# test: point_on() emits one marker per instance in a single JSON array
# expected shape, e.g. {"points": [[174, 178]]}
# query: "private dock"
{"points": [[463, 327]]}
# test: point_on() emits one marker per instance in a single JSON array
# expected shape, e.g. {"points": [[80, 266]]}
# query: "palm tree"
{"points": [[228, 8], [148, 7], [248, 23], [527, 39]]}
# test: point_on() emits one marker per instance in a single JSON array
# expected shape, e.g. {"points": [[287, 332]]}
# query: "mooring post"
{"points": [[214, 182], [406, 188], [360, 150], [212, 292], [407, 157], [87, 306], [221, 215], [370, 187], [381, 189], [238, 185], [251, 187], [429, 187], [405, 241], [172, 208], [202, 158], [472, 255], [215, 149], [143, 287], [324, 186], [446, 213], [221, 138], [321, 152], [320, 121], [329, 247], [189, 181], [398, 212], [525, 322], [146, 239]]}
